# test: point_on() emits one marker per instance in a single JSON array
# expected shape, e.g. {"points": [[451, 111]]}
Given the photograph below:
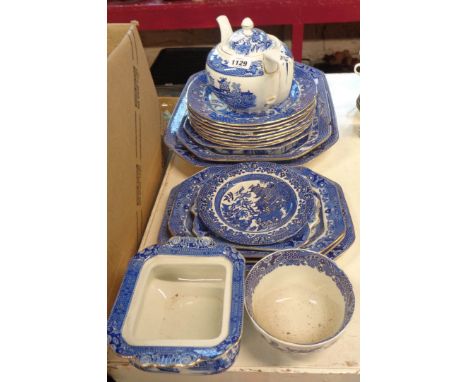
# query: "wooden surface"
{"points": [[258, 361]]}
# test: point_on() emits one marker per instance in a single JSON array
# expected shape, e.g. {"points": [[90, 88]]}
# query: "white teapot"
{"points": [[249, 70]]}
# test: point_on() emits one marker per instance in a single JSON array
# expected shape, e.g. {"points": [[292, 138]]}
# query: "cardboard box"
{"points": [[134, 149]]}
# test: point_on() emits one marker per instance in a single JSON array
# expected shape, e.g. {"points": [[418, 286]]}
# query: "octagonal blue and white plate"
{"points": [[181, 201], [255, 203], [325, 112], [313, 137], [205, 104]]}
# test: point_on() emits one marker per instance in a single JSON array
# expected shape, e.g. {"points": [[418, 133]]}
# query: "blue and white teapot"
{"points": [[249, 70]]}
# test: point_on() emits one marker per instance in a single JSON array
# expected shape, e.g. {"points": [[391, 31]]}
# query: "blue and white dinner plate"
{"points": [[189, 137], [203, 101], [255, 203], [312, 138], [179, 219], [334, 226], [297, 240], [349, 236], [181, 199], [324, 105]]}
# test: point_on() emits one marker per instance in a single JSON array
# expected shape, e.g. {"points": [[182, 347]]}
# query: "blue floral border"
{"points": [[324, 105], [202, 101], [168, 355], [219, 227], [308, 258]]}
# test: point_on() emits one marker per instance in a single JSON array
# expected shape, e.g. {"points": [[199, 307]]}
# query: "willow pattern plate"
{"points": [[203, 101], [349, 236], [324, 106], [304, 114], [188, 131], [323, 236], [312, 138], [334, 225], [255, 203]]}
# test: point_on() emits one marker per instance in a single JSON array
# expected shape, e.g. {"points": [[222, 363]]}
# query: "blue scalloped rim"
{"points": [[217, 225], [173, 355]]}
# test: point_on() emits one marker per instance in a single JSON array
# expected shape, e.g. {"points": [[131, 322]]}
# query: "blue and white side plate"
{"points": [[324, 107], [255, 203], [147, 332], [204, 102]]}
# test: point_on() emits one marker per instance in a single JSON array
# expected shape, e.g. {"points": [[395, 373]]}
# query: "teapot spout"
{"points": [[225, 29]]}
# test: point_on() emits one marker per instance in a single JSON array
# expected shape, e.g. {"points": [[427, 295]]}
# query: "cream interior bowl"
{"points": [[180, 301], [299, 300]]}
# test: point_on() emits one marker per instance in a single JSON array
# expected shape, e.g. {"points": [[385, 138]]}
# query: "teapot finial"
{"points": [[225, 28], [247, 26]]}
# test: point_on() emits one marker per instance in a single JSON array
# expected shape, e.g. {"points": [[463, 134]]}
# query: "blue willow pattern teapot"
{"points": [[249, 70]]}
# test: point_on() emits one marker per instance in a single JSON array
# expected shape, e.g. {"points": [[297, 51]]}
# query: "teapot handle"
{"points": [[281, 74]]}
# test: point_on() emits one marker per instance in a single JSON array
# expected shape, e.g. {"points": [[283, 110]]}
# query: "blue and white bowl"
{"points": [[298, 300]]}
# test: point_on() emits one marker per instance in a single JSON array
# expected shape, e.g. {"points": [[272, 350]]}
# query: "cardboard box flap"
{"points": [[134, 153]]}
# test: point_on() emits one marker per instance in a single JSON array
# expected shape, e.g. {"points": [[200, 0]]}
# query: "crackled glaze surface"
{"points": [[299, 300], [255, 203]]}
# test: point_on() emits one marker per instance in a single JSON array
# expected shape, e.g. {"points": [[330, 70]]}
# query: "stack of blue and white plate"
{"points": [[260, 208], [205, 131]]}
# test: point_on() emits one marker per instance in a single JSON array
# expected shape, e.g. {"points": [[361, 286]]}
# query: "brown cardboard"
{"points": [[134, 149]]}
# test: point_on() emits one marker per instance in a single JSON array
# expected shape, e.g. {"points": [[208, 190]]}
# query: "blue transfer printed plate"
{"points": [[350, 236], [206, 359], [203, 101], [180, 220], [299, 239], [189, 137], [326, 116], [164, 234], [297, 147], [255, 203], [183, 197], [334, 226]]}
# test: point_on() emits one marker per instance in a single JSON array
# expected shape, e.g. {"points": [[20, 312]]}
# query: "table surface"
{"points": [[257, 360]]}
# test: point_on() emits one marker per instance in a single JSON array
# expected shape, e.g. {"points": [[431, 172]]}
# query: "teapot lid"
{"points": [[249, 40]]}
